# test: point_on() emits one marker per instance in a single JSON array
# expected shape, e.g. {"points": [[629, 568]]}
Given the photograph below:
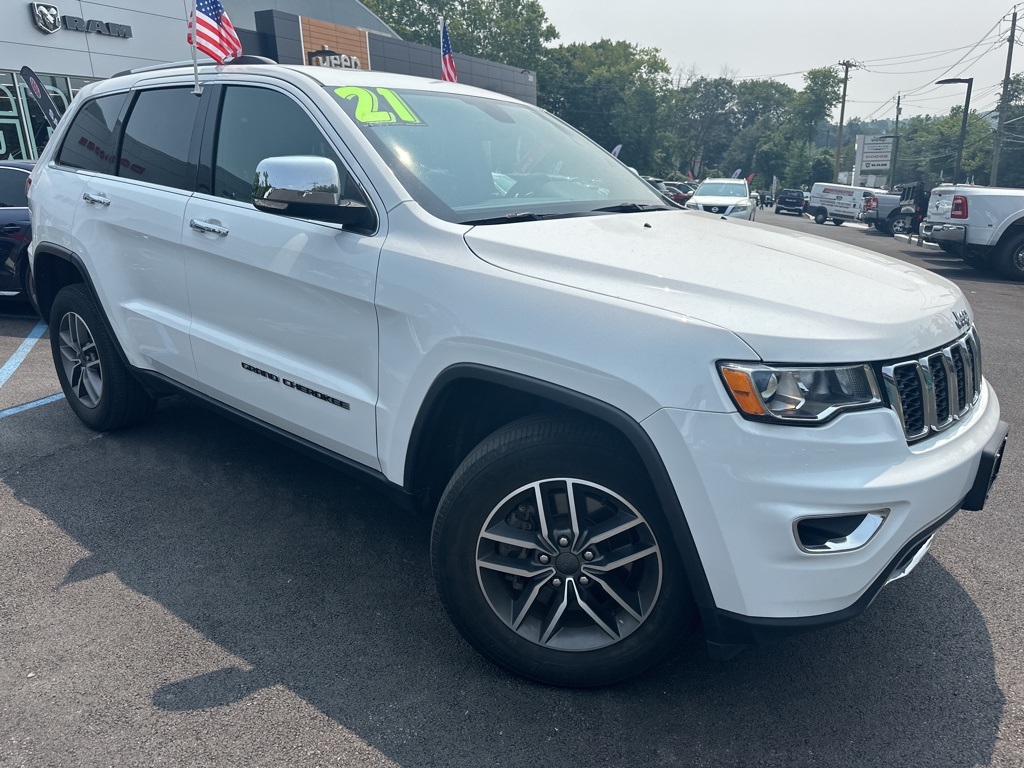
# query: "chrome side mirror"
{"points": [[305, 186]]}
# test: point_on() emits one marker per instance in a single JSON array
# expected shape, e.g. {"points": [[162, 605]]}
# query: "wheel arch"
{"points": [[467, 402], [53, 268], [1012, 230]]}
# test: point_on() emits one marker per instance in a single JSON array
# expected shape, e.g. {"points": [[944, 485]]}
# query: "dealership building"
{"points": [[71, 44]]}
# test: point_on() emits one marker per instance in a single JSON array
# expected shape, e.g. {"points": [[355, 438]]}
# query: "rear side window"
{"points": [[257, 123], [157, 137], [12, 188], [91, 141]]}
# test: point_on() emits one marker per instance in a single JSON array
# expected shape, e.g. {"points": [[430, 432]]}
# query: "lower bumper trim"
{"points": [[728, 633]]}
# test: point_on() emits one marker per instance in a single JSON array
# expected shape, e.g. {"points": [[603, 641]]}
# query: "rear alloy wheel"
{"points": [[1009, 259], [820, 217], [900, 225], [98, 386], [553, 558]]}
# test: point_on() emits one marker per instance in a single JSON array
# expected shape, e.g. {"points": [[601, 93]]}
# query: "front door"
{"points": [[283, 320]]}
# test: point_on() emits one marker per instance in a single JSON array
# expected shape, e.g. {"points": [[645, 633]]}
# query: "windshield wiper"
{"points": [[508, 218], [631, 208]]}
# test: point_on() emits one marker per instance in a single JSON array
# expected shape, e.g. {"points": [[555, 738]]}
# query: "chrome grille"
{"points": [[932, 392]]}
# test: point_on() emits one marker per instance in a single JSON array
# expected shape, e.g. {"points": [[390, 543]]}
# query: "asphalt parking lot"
{"points": [[189, 592]]}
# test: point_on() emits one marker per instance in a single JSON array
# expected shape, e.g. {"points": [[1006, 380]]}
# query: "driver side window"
{"points": [[257, 123]]}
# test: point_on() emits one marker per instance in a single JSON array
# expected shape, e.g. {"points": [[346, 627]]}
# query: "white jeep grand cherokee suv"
{"points": [[623, 416]]}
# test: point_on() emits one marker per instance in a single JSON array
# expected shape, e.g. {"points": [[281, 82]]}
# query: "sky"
{"points": [[903, 46]]}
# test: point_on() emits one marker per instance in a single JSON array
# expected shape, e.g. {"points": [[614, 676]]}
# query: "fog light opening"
{"points": [[837, 533]]}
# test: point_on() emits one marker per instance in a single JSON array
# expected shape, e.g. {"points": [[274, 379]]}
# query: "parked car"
{"points": [[661, 187], [790, 201], [619, 414], [838, 202], [981, 225], [15, 229], [724, 197], [883, 211], [681, 190]]}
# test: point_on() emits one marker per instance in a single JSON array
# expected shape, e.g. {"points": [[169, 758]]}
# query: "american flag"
{"points": [[216, 36], [447, 57]]}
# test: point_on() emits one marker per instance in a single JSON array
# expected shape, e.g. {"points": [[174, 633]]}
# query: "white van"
{"points": [[837, 202]]}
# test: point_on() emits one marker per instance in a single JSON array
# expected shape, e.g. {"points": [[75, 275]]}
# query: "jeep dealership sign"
{"points": [[48, 19]]}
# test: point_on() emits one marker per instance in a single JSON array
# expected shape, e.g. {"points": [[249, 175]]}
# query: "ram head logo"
{"points": [[46, 17]]}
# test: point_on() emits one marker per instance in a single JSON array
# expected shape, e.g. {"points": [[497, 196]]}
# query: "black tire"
{"points": [[953, 249], [820, 217], [900, 225], [777, 211], [538, 464], [837, 222], [98, 386], [977, 259], [1009, 259]]}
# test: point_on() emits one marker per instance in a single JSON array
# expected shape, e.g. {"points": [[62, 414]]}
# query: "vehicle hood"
{"points": [[791, 297]]}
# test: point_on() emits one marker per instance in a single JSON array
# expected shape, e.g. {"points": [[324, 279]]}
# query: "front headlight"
{"points": [[799, 395], [740, 208], [692, 206]]}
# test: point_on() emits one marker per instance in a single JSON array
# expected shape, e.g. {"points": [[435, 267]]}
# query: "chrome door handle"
{"points": [[205, 226], [97, 199]]}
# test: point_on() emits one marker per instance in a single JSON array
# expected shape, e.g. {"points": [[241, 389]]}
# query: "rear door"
{"points": [[128, 228], [284, 326]]}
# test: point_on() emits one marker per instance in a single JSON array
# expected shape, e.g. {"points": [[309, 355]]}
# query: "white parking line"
{"points": [[16, 360], [21, 352], [33, 404]]}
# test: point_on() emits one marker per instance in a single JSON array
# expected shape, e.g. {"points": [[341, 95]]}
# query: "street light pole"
{"points": [[963, 122]]}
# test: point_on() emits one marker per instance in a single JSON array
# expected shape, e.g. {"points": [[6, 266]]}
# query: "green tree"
{"points": [[510, 31], [611, 91]]}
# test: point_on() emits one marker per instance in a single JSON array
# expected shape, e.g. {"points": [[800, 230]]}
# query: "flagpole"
{"points": [[198, 91]]}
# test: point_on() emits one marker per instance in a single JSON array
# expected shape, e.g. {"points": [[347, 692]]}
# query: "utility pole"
{"points": [[842, 114], [896, 142], [1002, 104]]}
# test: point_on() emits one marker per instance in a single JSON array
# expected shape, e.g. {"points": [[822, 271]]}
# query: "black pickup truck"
{"points": [[791, 200]]}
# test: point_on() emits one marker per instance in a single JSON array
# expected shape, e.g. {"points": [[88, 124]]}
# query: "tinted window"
{"points": [[157, 138], [91, 141], [12, 188], [256, 123]]}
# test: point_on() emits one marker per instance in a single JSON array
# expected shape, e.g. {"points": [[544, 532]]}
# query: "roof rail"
{"points": [[243, 59]]}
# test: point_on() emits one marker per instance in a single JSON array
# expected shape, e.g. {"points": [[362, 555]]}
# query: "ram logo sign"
{"points": [[47, 19]]}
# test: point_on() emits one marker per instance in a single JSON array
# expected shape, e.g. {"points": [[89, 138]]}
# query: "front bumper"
{"points": [[743, 486], [944, 233]]}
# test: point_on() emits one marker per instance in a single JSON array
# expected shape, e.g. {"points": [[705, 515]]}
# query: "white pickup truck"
{"points": [[982, 225]]}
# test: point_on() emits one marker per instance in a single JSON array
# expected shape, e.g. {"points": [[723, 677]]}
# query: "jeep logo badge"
{"points": [[962, 319], [46, 17]]}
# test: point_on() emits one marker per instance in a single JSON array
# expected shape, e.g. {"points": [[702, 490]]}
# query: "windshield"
{"points": [[721, 189], [470, 158]]}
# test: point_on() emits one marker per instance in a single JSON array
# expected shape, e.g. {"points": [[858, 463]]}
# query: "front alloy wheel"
{"points": [[568, 564], [554, 559]]}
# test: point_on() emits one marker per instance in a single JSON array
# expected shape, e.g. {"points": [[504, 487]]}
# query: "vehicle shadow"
{"points": [[324, 586]]}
